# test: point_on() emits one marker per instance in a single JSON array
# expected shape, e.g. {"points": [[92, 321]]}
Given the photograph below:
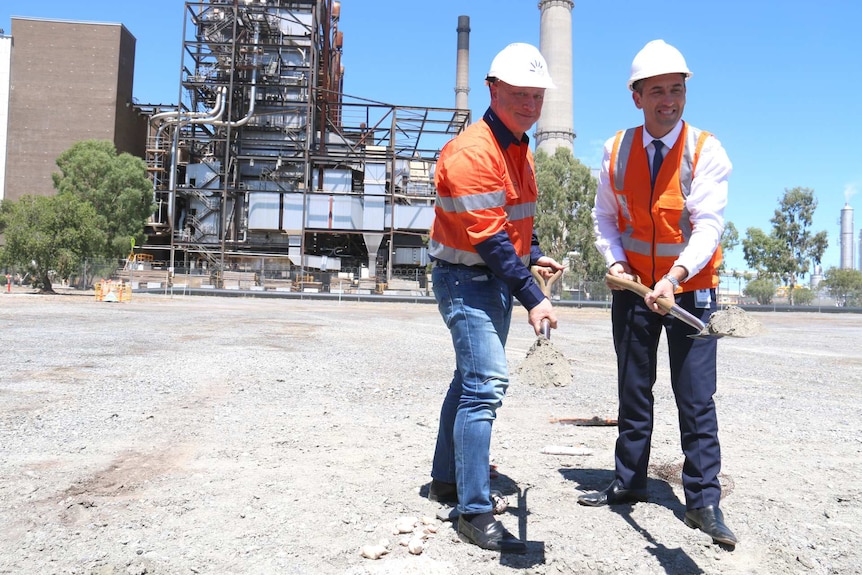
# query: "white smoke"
{"points": [[849, 192]]}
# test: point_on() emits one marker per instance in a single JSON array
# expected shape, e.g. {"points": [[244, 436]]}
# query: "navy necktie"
{"points": [[656, 160]]}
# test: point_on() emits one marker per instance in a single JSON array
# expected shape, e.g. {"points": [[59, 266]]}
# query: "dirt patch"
{"points": [[544, 366], [212, 435]]}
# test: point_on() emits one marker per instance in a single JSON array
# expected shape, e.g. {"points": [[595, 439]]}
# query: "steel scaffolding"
{"points": [[266, 157]]}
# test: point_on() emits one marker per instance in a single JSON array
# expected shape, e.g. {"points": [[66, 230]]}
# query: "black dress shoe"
{"points": [[443, 492], [613, 494], [493, 537], [710, 520]]}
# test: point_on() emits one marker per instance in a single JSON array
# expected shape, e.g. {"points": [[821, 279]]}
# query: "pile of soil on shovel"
{"points": [[545, 366], [733, 322]]}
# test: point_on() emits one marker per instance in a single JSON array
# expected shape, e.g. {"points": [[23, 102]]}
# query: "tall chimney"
{"points": [[846, 238], [556, 127], [462, 69]]}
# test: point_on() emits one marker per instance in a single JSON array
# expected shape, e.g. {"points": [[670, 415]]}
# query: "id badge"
{"points": [[702, 299]]}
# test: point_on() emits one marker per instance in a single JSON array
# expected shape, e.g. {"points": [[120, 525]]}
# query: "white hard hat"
{"points": [[657, 58], [521, 65]]}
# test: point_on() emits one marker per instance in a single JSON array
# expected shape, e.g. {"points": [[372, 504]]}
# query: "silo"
{"points": [[556, 126], [847, 237], [462, 66]]}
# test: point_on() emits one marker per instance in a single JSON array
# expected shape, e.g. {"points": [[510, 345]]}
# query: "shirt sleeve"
{"points": [[605, 214], [706, 204], [500, 256]]}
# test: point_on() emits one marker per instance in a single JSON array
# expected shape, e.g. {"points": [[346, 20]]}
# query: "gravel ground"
{"points": [[240, 435]]}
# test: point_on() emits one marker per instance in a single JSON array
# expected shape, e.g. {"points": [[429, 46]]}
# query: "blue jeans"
{"points": [[477, 309]]}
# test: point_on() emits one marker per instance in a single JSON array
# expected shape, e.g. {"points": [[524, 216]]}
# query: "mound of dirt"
{"points": [[544, 366], [733, 322]]}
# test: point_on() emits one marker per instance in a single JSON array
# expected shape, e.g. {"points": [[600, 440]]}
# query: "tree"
{"points": [[845, 285], [567, 192], [49, 235], [729, 240], [116, 185], [788, 250], [802, 296], [761, 289]]}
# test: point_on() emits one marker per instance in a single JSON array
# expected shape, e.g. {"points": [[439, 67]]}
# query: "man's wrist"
{"points": [[673, 281]]}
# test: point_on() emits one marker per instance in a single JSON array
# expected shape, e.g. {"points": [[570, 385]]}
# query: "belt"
{"points": [[445, 264]]}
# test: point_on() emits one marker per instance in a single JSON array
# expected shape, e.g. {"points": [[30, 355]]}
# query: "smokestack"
{"points": [[847, 238], [556, 127], [860, 251], [462, 69]]}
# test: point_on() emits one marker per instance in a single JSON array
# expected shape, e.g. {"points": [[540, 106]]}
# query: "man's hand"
{"points": [[542, 311], [621, 269], [664, 288], [548, 266]]}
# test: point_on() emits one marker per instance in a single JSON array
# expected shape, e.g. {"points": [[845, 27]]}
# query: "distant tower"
{"points": [[556, 126], [860, 251], [847, 237], [462, 69], [5, 84]]}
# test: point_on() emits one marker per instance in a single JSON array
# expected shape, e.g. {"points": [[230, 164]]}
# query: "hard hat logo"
{"points": [[655, 59], [537, 66], [521, 65]]}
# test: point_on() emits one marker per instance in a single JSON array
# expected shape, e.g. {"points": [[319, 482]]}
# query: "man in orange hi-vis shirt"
{"points": [[482, 245]]}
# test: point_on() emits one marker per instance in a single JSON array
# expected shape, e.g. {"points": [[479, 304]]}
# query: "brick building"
{"points": [[67, 81]]}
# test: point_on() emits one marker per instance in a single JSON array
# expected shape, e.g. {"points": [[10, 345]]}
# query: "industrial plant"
{"points": [[270, 176]]}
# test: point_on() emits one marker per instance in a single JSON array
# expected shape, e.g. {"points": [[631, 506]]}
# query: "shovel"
{"points": [[544, 365], [545, 286], [667, 305]]}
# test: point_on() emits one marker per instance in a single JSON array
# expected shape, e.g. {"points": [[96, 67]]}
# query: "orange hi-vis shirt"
{"points": [[654, 223], [486, 204], [482, 189]]}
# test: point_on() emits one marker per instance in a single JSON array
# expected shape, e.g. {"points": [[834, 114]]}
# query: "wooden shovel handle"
{"points": [[639, 289], [545, 285], [666, 304]]}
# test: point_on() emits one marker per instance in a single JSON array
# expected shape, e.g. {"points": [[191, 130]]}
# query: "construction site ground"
{"points": [[190, 435]]}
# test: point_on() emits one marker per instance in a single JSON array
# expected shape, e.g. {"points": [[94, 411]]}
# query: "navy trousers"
{"points": [[636, 331]]}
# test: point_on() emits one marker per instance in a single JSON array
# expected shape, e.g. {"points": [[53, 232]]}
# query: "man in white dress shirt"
{"points": [[658, 217]]}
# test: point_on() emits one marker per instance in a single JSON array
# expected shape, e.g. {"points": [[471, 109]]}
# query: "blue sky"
{"points": [[776, 82]]}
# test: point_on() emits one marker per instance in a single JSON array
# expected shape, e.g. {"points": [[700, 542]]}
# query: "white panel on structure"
{"points": [[411, 256], [293, 214], [333, 212], [412, 217], [263, 210], [375, 174], [373, 212], [337, 181], [375, 189], [5, 82]]}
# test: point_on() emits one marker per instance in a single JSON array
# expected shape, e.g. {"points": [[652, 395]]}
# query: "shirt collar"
{"points": [[668, 139], [502, 134]]}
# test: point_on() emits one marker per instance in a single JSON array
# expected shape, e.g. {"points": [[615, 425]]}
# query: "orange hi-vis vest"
{"points": [[482, 189], [655, 224]]}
